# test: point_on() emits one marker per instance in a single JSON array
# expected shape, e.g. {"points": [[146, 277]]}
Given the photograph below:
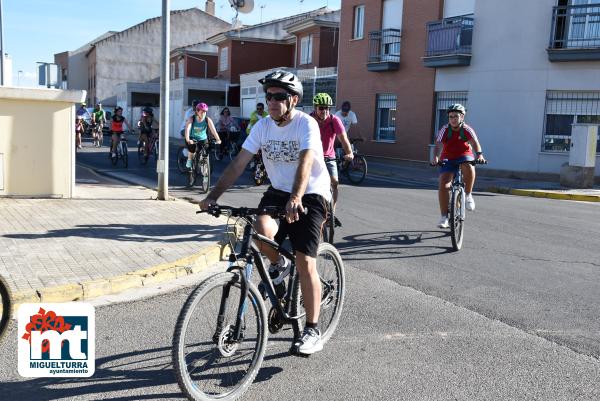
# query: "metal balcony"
{"points": [[575, 33], [384, 50], [449, 42]]}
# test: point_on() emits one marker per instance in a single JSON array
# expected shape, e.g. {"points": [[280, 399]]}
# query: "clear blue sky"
{"points": [[34, 30]]}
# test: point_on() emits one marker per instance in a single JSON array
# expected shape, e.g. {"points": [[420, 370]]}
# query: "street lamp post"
{"points": [[1, 48], [19, 73], [162, 167]]}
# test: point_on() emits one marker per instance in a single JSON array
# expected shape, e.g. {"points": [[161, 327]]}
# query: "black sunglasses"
{"points": [[323, 108], [279, 96]]}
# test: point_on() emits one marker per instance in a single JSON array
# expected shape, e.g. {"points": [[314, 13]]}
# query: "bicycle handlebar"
{"points": [[472, 162], [273, 211]]}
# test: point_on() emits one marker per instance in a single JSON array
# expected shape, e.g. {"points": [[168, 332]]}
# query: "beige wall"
{"points": [[37, 154]]}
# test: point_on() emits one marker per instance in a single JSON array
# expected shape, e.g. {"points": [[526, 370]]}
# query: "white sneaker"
{"points": [[443, 223], [310, 342], [470, 202]]}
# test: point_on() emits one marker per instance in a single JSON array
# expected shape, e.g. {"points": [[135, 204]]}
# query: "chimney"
{"points": [[210, 7]]}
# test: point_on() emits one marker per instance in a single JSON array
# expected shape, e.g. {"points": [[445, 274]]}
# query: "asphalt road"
{"points": [[512, 316]]}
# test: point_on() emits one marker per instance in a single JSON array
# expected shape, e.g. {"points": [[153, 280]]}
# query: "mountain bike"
{"points": [[144, 151], [97, 135], [201, 167], [355, 170], [229, 144], [221, 333], [122, 152], [457, 204], [5, 306]]}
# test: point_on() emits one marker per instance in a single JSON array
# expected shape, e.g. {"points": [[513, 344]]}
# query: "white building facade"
{"points": [[533, 69]]}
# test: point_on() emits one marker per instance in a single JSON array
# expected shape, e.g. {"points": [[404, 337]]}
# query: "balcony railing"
{"points": [[384, 50], [449, 42], [575, 33]]}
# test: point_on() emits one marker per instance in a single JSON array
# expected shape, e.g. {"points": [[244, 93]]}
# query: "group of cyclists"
{"points": [[299, 155]]}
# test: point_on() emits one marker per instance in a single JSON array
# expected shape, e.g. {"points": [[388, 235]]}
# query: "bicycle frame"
{"points": [[459, 185], [250, 252]]}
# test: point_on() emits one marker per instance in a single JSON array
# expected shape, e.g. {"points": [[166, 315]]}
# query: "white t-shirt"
{"points": [[281, 147], [348, 120], [188, 114]]}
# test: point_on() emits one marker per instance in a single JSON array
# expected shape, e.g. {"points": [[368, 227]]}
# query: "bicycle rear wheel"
{"points": [[5, 306], [456, 219], [208, 363], [357, 169], [333, 289]]}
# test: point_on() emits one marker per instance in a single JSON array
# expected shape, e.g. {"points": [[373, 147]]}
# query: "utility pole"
{"points": [[1, 48], [162, 167]]}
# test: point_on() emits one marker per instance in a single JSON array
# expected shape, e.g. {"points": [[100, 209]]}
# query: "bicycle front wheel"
{"points": [[456, 219], [357, 169], [5, 306], [205, 174], [125, 156], [333, 289], [208, 362]]}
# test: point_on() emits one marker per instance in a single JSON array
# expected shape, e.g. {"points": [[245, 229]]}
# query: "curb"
{"points": [[89, 289], [545, 194]]}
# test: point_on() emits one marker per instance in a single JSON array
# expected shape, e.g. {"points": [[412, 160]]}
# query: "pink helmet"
{"points": [[202, 107]]}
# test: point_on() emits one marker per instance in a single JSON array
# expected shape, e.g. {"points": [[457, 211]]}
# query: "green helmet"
{"points": [[322, 99]]}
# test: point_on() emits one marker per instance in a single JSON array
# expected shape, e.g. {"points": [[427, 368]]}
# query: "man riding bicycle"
{"points": [[453, 145], [98, 120], [293, 157], [331, 127], [148, 127], [116, 128], [195, 132]]}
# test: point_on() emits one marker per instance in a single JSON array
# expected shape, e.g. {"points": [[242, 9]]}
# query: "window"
{"points": [[386, 117], [564, 109], [172, 71], [442, 101], [359, 22], [306, 50], [181, 69], [223, 59]]}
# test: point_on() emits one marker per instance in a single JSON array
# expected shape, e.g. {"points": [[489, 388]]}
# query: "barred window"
{"points": [[443, 100], [385, 130], [566, 108]]}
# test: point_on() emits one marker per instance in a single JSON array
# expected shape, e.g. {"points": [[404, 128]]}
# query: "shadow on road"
{"points": [[392, 244], [133, 232], [128, 373]]}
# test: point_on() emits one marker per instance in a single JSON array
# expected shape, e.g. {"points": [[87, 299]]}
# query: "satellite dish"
{"points": [[242, 6]]}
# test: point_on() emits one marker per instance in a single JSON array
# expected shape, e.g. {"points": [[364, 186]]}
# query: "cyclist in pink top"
{"points": [[331, 127]]}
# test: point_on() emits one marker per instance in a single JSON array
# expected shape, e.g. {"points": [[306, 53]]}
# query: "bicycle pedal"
{"points": [[336, 222]]}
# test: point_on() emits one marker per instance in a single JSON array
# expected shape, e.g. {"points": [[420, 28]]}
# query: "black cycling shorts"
{"points": [[304, 234]]}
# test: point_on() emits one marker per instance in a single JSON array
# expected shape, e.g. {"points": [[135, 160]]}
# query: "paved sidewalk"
{"points": [[425, 176], [109, 238]]}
